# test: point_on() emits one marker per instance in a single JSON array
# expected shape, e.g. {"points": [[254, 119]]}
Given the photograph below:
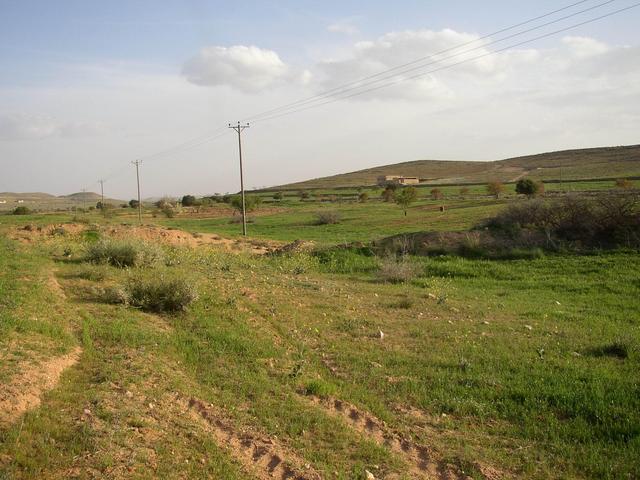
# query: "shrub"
{"points": [[529, 187], [123, 253], [188, 201], [168, 211], [396, 270], [388, 194], [327, 218], [495, 188], [304, 195], [363, 197], [251, 202], [624, 184], [134, 203], [278, 196], [160, 294], [436, 194], [608, 220], [21, 211]]}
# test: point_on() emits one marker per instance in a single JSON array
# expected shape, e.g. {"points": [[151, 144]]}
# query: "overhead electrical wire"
{"points": [[404, 68], [445, 67]]}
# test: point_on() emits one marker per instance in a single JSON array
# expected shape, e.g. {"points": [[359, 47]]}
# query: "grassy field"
{"points": [[314, 363]]}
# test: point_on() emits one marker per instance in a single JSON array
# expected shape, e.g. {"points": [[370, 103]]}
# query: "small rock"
{"points": [[369, 475], [128, 394], [380, 334], [431, 295], [576, 354], [528, 327], [558, 303], [86, 411], [151, 406], [485, 323], [375, 294]]}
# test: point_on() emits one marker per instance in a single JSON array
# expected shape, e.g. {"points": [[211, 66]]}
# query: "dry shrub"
{"points": [[327, 218], [608, 220], [396, 270], [124, 253], [156, 294]]}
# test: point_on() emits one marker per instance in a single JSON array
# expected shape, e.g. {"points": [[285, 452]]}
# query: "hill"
{"points": [[578, 164], [47, 202]]}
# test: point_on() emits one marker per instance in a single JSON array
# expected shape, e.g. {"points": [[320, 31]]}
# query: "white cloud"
{"points": [[343, 26], [20, 126], [250, 69], [583, 47]]}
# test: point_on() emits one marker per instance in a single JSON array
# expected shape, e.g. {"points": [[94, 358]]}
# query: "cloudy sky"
{"points": [[86, 87]]}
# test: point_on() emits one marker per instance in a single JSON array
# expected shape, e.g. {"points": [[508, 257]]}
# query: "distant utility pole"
{"points": [[137, 164], [101, 182], [239, 129]]}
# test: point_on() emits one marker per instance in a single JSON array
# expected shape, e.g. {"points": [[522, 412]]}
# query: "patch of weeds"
{"points": [[95, 274], [617, 349], [327, 218], [59, 232], [91, 236], [319, 388], [404, 303], [156, 294]]}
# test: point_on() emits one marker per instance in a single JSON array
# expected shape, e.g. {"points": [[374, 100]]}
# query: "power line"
{"points": [[360, 81], [445, 67], [403, 69]]}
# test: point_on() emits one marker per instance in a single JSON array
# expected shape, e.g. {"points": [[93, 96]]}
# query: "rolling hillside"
{"points": [[45, 201], [604, 162]]}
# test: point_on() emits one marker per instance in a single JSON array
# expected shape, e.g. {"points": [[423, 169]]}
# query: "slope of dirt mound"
{"points": [[29, 233], [264, 457], [421, 460], [22, 392], [296, 246], [180, 237]]}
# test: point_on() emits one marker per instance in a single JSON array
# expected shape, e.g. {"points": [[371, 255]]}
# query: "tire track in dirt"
{"points": [[260, 455], [24, 391], [421, 460]]}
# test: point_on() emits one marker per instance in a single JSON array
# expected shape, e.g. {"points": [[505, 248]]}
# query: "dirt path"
{"points": [[24, 391], [421, 460], [262, 456]]}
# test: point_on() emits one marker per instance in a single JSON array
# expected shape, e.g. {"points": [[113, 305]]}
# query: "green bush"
{"points": [[160, 294], [124, 253], [21, 211]]}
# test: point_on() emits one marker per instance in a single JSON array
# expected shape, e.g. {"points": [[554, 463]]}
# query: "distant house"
{"points": [[3, 201], [398, 180], [19, 201]]}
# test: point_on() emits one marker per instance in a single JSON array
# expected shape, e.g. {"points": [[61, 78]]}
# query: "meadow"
{"points": [[313, 364]]}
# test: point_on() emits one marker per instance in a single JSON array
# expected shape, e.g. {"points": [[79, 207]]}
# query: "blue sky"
{"points": [[86, 86]]}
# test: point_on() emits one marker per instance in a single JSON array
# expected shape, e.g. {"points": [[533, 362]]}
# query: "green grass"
{"points": [[526, 364]]}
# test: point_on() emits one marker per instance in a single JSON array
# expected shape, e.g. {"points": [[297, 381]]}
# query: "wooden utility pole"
{"points": [[239, 129], [137, 164]]}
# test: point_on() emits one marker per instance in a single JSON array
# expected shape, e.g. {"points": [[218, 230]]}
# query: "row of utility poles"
{"points": [[239, 128]]}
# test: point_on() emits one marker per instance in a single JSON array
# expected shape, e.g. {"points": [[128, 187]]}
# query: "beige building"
{"points": [[398, 179]]}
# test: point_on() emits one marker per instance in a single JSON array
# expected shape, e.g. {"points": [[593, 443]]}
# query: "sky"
{"points": [[87, 87]]}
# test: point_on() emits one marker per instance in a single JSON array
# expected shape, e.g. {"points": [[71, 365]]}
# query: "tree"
{"points": [[278, 196], [388, 194], [495, 188], [133, 203], [464, 191], [436, 194], [529, 187], [251, 202], [624, 184], [406, 197], [188, 201], [363, 197]]}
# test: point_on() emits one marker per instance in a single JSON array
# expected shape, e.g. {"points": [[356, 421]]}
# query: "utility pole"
{"points": [[239, 129], [101, 182], [137, 164]]}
